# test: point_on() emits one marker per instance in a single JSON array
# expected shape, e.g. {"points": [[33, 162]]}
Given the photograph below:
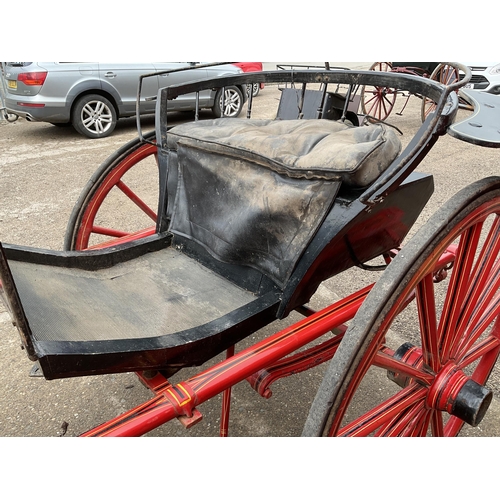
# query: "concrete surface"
{"points": [[42, 171]]}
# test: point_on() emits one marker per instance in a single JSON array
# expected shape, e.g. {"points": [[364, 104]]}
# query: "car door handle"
{"points": [[110, 74]]}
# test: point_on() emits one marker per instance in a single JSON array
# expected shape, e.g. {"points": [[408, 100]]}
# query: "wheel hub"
{"points": [[456, 393], [452, 390], [409, 354]]}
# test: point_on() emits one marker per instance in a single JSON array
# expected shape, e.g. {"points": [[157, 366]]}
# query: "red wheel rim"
{"points": [[114, 179], [459, 338]]}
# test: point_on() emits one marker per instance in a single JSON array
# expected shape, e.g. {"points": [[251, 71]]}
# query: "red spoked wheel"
{"points": [[377, 102], [436, 337], [444, 73], [119, 202]]}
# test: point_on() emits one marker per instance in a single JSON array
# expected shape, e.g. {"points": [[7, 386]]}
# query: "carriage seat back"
{"points": [[254, 192]]}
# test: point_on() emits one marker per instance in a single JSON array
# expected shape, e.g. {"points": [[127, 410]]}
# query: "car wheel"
{"points": [[232, 103], [94, 116], [253, 89], [11, 117]]}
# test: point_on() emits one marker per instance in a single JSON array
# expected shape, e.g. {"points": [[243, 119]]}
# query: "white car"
{"points": [[485, 76]]}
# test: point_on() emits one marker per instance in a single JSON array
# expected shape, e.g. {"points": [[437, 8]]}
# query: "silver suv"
{"points": [[93, 96]]}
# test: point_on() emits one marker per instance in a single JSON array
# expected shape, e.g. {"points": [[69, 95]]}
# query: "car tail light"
{"points": [[30, 105], [32, 78]]}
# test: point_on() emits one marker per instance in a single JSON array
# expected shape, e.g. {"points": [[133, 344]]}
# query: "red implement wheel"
{"points": [[444, 73], [378, 101], [436, 338], [119, 203]]}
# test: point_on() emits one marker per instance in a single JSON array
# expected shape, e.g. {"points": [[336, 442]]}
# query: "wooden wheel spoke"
{"points": [[373, 103], [387, 362], [428, 323], [412, 422], [484, 266], [480, 326], [481, 304], [138, 201], [481, 349], [469, 352], [420, 424], [384, 412], [458, 290], [437, 426], [387, 105], [452, 427], [430, 106], [108, 231], [447, 75]]}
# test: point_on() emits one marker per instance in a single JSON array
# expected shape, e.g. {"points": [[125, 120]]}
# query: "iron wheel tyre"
{"points": [[94, 116], [378, 101], [232, 104], [444, 73], [117, 203], [455, 330]]}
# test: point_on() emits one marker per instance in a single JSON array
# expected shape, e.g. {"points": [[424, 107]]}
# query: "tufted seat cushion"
{"points": [[321, 149]]}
